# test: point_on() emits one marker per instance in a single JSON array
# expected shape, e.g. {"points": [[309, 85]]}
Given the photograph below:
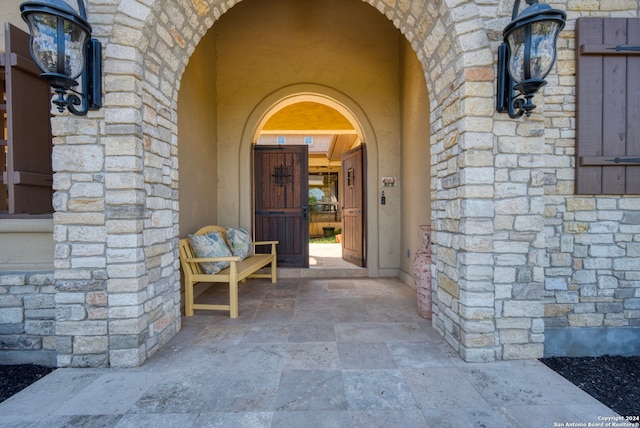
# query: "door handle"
{"points": [[304, 212]]}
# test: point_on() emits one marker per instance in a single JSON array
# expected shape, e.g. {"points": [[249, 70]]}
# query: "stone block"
{"points": [[71, 313], [514, 336], [477, 355], [581, 204], [517, 323], [448, 285], [97, 313], [475, 313], [64, 344], [476, 299], [40, 327], [556, 310], [90, 344], [126, 357], [609, 307], [8, 301], [537, 326], [81, 328], [585, 320], [20, 343], [632, 304], [89, 360], [552, 283], [39, 301], [12, 280], [97, 299], [17, 328], [523, 308], [128, 341], [522, 351], [528, 291], [11, 315], [128, 326], [567, 297], [125, 312], [476, 340]]}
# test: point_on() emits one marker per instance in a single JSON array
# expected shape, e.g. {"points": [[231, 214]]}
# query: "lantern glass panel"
{"points": [[44, 45], [539, 38]]}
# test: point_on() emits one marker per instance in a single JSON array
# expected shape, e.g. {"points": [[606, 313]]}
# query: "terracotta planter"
{"points": [[422, 274]]}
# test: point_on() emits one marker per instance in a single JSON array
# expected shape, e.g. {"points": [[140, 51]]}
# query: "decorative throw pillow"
{"points": [[210, 245], [239, 242]]}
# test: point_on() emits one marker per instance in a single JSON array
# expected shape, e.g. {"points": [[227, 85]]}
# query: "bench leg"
{"points": [[233, 299], [274, 270], [188, 298]]}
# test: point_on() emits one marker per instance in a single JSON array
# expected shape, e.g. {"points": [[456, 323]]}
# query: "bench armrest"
{"points": [[213, 259], [266, 242]]}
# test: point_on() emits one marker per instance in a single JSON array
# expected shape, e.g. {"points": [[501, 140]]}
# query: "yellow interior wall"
{"points": [[197, 139], [416, 162], [346, 45]]}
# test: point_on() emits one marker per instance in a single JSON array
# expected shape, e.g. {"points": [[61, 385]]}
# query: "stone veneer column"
{"points": [[519, 238], [117, 277], [81, 238]]}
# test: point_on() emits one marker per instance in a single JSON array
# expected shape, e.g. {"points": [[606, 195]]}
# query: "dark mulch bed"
{"points": [[14, 379], [614, 381]]}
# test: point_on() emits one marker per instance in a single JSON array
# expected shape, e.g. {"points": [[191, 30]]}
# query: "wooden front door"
{"points": [[281, 186], [353, 224]]}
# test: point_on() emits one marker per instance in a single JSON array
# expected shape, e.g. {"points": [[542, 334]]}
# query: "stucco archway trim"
{"points": [[330, 97]]}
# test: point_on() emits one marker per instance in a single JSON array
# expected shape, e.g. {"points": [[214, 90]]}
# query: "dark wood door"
{"points": [[353, 212], [281, 186]]}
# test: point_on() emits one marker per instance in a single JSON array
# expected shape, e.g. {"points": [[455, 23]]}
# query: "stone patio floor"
{"points": [[348, 352]]}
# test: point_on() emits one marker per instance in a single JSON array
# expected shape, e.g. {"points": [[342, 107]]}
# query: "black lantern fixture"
{"points": [[62, 47], [526, 56]]}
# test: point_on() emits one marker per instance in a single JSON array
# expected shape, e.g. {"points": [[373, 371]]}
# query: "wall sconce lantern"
{"points": [[526, 56], [62, 47]]}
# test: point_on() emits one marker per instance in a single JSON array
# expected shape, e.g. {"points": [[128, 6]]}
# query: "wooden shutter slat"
{"points": [[589, 131], [607, 125], [614, 105], [28, 129], [633, 108]]}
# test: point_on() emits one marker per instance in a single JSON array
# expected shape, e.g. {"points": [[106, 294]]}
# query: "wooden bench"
{"points": [[236, 272]]}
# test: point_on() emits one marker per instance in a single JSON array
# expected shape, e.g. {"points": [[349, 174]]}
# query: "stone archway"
{"points": [[116, 203]]}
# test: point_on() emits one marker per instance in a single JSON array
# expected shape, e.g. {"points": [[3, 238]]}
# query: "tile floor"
{"points": [[306, 353]]}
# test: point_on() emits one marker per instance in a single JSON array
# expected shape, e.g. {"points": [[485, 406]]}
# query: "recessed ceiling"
{"points": [[307, 116], [326, 132]]}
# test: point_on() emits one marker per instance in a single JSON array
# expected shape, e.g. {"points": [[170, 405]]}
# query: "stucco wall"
{"points": [[26, 244], [197, 132], [10, 12], [416, 161], [346, 46]]}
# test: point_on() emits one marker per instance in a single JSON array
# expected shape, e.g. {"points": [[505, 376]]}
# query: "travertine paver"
{"points": [[245, 372]]}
